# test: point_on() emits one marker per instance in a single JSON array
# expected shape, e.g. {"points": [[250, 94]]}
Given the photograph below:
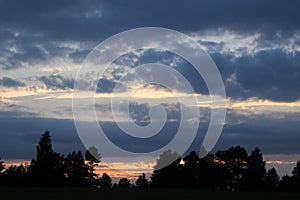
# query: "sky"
{"points": [[254, 44]]}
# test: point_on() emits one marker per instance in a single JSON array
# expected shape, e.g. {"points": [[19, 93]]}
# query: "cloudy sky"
{"points": [[254, 44]]}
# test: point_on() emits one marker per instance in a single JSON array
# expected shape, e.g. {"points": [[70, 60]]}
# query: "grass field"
{"points": [[154, 194]]}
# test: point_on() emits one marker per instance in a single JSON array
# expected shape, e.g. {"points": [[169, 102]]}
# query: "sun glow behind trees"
{"points": [[232, 169]]}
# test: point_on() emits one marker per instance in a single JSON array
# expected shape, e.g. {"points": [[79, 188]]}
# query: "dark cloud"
{"points": [[57, 82], [140, 113], [9, 82], [275, 75], [24, 133], [28, 53], [273, 136], [32, 23], [106, 85], [147, 56], [272, 74], [19, 48], [50, 23], [85, 20], [37, 29], [34, 31]]}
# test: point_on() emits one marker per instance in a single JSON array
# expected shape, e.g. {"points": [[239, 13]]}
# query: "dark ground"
{"points": [[154, 194]]}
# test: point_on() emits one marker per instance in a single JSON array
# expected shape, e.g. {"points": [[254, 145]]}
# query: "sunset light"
{"points": [[142, 99]]}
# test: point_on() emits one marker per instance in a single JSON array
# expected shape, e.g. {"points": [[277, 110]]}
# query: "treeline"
{"points": [[232, 169], [51, 168]]}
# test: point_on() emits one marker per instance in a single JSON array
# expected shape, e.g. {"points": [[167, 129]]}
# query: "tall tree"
{"points": [[105, 181], [214, 173], [255, 174], [296, 174], [272, 179], [44, 149], [47, 169], [167, 176], [93, 157], [191, 170], [235, 160], [296, 170], [142, 181], [76, 170]]}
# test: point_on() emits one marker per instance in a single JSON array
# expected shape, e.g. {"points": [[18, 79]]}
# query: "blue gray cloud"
{"points": [[57, 82], [249, 132], [9, 82], [33, 32], [271, 74], [38, 30], [35, 27], [64, 19]]}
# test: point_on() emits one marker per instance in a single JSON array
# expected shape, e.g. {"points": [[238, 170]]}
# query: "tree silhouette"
{"points": [[191, 170], [296, 170], [124, 183], [105, 181], [226, 170], [214, 174], [44, 148], [167, 176], [76, 170], [296, 174], [235, 160], [142, 181], [288, 183], [272, 179], [16, 175], [2, 166], [47, 169], [255, 174], [291, 183], [93, 157]]}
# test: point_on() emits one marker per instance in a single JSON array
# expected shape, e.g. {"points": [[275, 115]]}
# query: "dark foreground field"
{"points": [[154, 194]]}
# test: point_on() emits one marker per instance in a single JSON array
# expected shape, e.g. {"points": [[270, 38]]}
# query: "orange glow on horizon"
{"points": [[133, 170], [279, 162]]}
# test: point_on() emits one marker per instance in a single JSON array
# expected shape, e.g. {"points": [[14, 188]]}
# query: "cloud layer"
{"points": [[255, 45]]}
